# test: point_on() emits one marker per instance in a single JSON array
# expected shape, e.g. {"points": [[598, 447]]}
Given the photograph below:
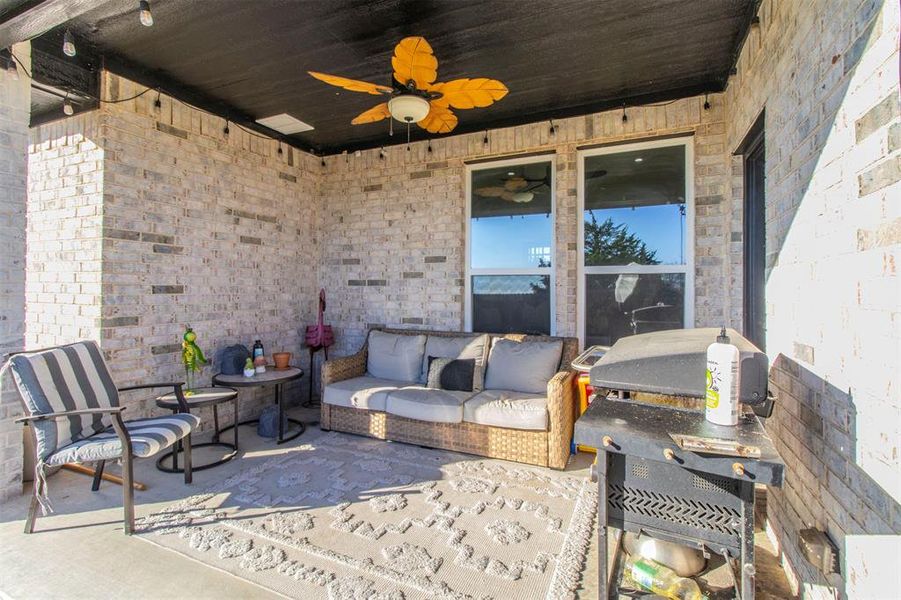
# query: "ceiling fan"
{"points": [[521, 189], [416, 97], [516, 188]]}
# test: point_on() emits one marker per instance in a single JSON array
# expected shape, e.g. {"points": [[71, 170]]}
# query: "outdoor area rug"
{"points": [[345, 517]]}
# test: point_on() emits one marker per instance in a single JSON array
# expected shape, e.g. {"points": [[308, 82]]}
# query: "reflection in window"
{"points": [[635, 207], [511, 304], [636, 242], [511, 208], [511, 247], [628, 304]]}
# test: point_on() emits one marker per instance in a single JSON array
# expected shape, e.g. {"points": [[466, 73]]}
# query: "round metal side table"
{"points": [[197, 398], [272, 376]]}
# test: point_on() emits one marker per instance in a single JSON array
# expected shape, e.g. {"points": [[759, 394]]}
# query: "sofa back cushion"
{"points": [[462, 347], [522, 366], [395, 356]]}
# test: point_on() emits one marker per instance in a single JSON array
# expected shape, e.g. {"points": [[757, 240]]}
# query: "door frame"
{"points": [[753, 147]]}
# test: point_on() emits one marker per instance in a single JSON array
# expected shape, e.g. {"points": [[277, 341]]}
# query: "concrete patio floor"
{"points": [[80, 551]]}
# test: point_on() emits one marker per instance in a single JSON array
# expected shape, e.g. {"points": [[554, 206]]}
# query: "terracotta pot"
{"points": [[282, 359]]}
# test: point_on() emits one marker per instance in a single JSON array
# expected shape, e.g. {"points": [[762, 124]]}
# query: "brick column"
{"points": [[15, 109]]}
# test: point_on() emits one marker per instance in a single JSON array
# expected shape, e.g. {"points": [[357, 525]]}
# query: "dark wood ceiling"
{"points": [[558, 58]]}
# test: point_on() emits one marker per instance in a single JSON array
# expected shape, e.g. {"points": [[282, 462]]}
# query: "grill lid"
{"points": [[674, 363]]}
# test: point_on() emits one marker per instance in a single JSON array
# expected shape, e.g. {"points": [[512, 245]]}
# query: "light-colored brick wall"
{"points": [[150, 219], [827, 74], [395, 245], [65, 228], [15, 109]]}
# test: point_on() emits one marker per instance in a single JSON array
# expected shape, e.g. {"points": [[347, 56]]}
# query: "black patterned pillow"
{"points": [[453, 374]]}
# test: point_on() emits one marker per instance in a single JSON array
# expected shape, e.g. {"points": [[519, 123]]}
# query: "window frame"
{"points": [[469, 272], [688, 268]]}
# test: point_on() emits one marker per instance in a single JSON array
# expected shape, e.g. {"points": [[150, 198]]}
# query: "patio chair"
{"points": [[73, 408]]}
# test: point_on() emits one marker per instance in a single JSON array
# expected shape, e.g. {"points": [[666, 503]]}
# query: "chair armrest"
{"points": [[150, 386], [70, 413], [346, 367], [561, 417]]}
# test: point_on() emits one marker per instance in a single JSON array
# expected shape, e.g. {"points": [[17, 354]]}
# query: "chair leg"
{"points": [[98, 475], [33, 509], [128, 493], [186, 444]]}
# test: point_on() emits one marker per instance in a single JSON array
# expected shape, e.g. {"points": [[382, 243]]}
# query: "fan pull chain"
{"points": [[408, 137], [390, 126]]}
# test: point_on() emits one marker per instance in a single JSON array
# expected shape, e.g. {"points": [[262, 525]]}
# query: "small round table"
{"points": [[272, 376], [195, 399]]}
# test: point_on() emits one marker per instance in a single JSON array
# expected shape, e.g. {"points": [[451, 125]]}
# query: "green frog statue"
{"points": [[192, 357]]}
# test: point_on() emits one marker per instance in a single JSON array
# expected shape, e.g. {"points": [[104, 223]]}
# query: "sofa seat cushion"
{"points": [[365, 392], [502, 408], [427, 404]]}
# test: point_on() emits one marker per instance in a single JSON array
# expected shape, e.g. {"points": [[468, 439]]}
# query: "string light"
{"points": [[706, 103], [68, 44], [358, 153], [280, 148], [10, 66], [145, 14], [382, 153], [429, 148], [158, 103], [553, 128], [625, 116], [68, 109], [344, 153], [225, 129], [322, 162], [485, 139]]}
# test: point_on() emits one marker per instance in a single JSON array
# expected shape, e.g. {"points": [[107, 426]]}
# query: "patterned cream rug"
{"points": [[345, 517]]}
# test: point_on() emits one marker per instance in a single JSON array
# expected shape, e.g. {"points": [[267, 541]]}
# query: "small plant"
{"points": [[192, 357]]}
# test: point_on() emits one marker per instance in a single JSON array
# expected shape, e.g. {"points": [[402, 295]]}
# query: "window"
{"points": [[636, 239], [510, 242]]}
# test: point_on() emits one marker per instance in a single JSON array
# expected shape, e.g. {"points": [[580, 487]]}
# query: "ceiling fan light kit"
{"points": [[409, 108]]}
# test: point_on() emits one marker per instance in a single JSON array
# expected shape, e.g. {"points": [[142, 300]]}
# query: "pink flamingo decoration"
{"points": [[318, 337]]}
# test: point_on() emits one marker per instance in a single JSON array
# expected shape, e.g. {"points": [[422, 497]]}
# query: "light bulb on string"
{"points": [[485, 139], [68, 109], [68, 44], [625, 116], [225, 129], [145, 15], [706, 102]]}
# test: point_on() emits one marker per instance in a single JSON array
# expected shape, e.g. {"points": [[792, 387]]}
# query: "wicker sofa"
{"points": [[549, 446]]}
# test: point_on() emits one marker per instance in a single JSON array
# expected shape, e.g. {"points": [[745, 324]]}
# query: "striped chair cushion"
{"points": [[65, 378], [148, 437]]}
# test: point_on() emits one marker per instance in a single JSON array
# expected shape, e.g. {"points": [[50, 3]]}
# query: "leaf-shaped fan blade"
{"points": [[413, 59], [491, 192], [514, 184], [439, 120], [508, 196], [352, 85], [470, 93], [376, 113]]}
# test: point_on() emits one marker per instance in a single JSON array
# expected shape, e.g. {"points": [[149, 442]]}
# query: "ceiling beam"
{"points": [[35, 17]]}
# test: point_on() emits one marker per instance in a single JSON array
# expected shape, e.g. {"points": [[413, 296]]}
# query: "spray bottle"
{"points": [[723, 363]]}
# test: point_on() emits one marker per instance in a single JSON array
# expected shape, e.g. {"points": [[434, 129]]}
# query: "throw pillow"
{"points": [[522, 366], [395, 356], [453, 374], [462, 346]]}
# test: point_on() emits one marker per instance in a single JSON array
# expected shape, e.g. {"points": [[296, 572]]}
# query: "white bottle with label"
{"points": [[723, 364]]}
